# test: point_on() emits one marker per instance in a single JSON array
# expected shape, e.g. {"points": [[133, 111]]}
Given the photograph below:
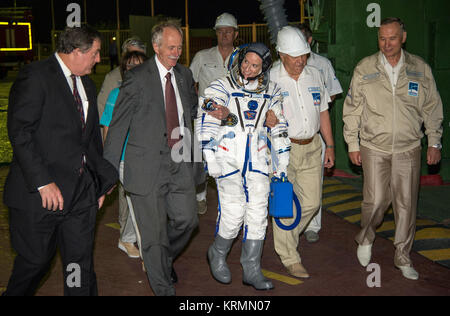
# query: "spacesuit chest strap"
{"points": [[238, 105]]}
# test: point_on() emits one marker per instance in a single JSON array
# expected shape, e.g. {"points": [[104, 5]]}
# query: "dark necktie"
{"points": [[78, 101], [172, 121]]}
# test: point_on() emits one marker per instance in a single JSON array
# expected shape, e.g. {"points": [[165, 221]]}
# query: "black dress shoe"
{"points": [[173, 276]]}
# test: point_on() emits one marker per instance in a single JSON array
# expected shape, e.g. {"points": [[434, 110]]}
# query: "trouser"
{"points": [[35, 235], [127, 227], [390, 178], [166, 219], [304, 172], [243, 200], [316, 223], [201, 190]]}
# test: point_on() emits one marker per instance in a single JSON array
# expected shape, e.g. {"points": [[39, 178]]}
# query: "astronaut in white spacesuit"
{"points": [[237, 154]]}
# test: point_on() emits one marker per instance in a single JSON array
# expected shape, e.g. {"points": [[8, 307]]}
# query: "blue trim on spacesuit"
{"points": [[251, 95], [229, 174], [245, 233], [219, 211], [244, 169]]}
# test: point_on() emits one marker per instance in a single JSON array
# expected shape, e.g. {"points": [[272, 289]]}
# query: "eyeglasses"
{"points": [[225, 32]]}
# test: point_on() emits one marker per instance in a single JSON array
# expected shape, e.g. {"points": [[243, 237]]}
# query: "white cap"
{"points": [[291, 41], [226, 19]]}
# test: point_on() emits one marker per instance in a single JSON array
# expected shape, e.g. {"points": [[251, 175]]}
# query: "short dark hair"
{"points": [[77, 37], [129, 56], [394, 20], [305, 30]]}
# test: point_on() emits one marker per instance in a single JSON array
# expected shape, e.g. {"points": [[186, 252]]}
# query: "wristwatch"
{"points": [[437, 146]]}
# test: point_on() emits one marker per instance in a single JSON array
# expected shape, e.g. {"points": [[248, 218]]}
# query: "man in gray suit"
{"points": [[156, 99]]}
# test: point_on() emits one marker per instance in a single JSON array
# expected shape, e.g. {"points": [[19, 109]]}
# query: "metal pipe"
{"points": [[275, 16]]}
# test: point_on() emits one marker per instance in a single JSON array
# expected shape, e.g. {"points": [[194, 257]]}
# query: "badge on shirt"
{"points": [[413, 89], [252, 105], [250, 115], [316, 98], [230, 121]]}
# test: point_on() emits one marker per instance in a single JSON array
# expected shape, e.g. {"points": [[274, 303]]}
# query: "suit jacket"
{"points": [[48, 144], [140, 110]]}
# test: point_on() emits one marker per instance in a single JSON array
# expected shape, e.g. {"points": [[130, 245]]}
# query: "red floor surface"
{"points": [[331, 262]]}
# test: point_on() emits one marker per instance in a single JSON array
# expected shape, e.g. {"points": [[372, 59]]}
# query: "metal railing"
{"points": [[247, 33]]}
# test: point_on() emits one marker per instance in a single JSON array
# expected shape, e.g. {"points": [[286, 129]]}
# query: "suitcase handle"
{"points": [[282, 178], [297, 218]]}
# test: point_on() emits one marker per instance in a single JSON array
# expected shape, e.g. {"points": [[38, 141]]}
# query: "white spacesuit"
{"points": [[237, 154]]}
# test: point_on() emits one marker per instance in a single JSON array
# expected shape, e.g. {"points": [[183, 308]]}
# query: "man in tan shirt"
{"points": [[392, 94]]}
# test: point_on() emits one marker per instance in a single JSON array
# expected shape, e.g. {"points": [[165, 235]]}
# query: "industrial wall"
{"points": [[349, 31]]}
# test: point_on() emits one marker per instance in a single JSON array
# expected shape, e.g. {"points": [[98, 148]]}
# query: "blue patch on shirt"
{"points": [[250, 115], [316, 98], [252, 105], [413, 89], [314, 89]]}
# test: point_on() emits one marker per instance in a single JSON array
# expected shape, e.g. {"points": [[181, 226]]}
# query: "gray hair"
{"points": [[390, 20], [134, 41], [77, 37], [158, 29]]}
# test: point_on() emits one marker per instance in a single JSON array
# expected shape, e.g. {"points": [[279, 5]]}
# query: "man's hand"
{"points": [[433, 156], [355, 157], [329, 158], [271, 119], [100, 201], [221, 112], [51, 196]]}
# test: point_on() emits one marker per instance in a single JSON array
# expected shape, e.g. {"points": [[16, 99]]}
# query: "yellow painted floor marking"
{"points": [[280, 277], [390, 225], [338, 198], [113, 225], [345, 206], [354, 218], [340, 187], [433, 233], [331, 181], [436, 254]]}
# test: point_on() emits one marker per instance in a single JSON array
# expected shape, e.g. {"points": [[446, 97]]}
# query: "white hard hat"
{"points": [[226, 19], [291, 41]]}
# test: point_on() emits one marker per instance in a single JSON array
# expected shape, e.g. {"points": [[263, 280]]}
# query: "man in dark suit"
{"points": [[58, 177], [156, 98]]}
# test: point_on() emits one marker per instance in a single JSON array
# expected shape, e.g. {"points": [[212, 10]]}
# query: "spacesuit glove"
{"points": [[214, 169]]}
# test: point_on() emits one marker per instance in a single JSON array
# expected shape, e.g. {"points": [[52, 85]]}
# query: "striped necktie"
{"points": [[78, 101]]}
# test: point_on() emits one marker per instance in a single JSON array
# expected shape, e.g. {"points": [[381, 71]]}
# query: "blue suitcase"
{"points": [[281, 197]]}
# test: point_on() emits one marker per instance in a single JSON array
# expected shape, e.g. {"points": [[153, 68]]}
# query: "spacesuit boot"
{"points": [[217, 255], [251, 264]]}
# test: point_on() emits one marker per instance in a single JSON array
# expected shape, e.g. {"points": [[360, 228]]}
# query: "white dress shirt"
{"points": [[80, 87], [162, 73]]}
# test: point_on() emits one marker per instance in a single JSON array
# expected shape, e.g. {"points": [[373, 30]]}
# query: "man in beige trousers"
{"points": [[391, 94], [305, 102]]}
